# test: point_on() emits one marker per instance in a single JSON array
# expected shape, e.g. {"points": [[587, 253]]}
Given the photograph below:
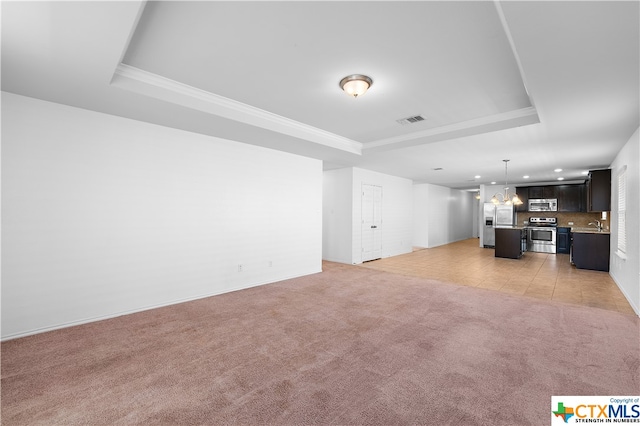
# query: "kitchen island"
{"points": [[510, 242]]}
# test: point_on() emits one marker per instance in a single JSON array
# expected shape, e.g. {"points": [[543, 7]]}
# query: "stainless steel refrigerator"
{"points": [[495, 216]]}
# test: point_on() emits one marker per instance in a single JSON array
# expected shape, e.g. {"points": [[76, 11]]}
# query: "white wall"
{"points": [[342, 214], [337, 215], [475, 221], [421, 215], [104, 216], [626, 272], [442, 215], [397, 213]]}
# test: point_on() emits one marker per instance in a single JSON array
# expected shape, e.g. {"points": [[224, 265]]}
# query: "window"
{"points": [[622, 212]]}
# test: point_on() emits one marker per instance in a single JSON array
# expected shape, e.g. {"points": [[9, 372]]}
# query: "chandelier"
{"points": [[506, 199]]}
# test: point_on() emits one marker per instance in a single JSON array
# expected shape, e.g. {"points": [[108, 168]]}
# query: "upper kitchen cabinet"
{"points": [[571, 198], [599, 191], [523, 194], [544, 192]]}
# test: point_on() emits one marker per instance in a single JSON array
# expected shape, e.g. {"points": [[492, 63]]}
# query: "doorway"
{"points": [[371, 222]]}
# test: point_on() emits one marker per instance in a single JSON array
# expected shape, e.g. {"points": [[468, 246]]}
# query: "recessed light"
{"points": [[493, 183], [585, 172], [525, 177], [477, 176], [557, 170], [560, 178]]}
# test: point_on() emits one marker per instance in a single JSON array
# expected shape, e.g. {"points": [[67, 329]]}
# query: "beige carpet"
{"points": [[347, 346]]}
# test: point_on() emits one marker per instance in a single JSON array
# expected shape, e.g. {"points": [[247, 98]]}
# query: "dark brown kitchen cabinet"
{"points": [[509, 242], [536, 192], [571, 198], [550, 191], [523, 194], [545, 192], [590, 251], [599, 191]]}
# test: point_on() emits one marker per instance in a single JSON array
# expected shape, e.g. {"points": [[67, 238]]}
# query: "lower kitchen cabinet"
{"points": [[509, 242], [590, 251], [563, 240]]}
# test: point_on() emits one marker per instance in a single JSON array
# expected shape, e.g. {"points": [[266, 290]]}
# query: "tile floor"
{"points": [[539, 275]]}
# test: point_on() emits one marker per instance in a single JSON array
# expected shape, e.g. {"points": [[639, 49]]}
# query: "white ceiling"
{"points": [[545, 84]]}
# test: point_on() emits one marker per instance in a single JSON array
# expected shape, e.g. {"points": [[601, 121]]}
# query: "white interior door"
{"points": [[371, 222]]}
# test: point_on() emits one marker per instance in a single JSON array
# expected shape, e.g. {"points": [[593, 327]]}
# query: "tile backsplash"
{"points": [[578, 219]]}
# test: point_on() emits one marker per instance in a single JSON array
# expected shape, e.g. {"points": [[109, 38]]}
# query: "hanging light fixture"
{"points": [[356, 84], [506, 198]]}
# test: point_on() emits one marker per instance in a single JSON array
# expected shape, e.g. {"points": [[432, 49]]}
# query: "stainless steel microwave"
{"points": [[543, 205]]}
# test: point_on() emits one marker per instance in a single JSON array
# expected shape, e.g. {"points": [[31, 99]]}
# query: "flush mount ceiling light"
{"points": [[356, 84], [506, 198]]}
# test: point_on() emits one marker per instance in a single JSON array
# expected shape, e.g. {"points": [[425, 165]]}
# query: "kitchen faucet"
{"points": [[597, 224]]}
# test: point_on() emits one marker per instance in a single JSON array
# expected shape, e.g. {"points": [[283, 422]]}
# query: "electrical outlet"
{"points": [[570, 223], [270, 264], [239, 268]]}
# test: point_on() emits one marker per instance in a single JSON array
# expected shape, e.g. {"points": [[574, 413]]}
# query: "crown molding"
{"points": [[491, 123], [514, 50], [159, 87]]}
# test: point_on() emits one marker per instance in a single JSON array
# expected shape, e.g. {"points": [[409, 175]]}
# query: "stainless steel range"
{"points": [[541, 234]]}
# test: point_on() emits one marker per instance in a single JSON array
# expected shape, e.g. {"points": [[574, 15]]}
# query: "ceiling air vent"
{"points": [[410, 120]]}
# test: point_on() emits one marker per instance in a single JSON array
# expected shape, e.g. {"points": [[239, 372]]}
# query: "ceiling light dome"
{"points": [[356, 84]]}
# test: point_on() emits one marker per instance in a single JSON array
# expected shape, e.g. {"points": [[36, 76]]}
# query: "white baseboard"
{"points": [[631, 302], [141, 309]]}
